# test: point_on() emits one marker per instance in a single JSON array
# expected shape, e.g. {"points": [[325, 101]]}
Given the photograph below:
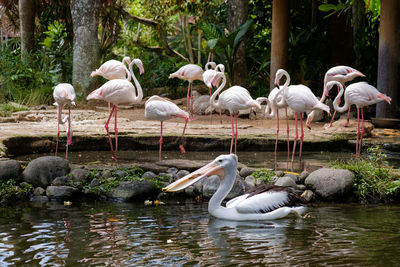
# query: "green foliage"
{"points": [[10, 190], [264, 174], [373, 177], [7, 109]]}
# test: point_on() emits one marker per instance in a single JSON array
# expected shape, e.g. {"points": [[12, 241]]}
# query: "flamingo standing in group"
{"points": [[360, 94], [189, 72], [208, 76], [233, 99], [114, 69], [300, 99], [119, 91], [64, 94], [264, 202], [341, 74], [161, 109]]}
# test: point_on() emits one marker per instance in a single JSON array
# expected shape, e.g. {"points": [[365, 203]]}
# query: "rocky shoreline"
{"points": [[51, 178]]}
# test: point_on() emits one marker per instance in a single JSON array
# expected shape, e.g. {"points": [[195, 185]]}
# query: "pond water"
{"points": [[181, 233]]}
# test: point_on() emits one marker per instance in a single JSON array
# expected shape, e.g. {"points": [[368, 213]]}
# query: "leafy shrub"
{"points": [[10, 190], [264, 174], [7, 109]]}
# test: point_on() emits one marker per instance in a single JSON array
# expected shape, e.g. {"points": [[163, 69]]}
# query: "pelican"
{"points": [[268, 202]]}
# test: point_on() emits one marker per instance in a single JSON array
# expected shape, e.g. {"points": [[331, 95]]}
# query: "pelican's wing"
{"points": [[234, 201]]}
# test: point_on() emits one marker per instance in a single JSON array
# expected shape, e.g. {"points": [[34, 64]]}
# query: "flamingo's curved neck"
{"points": [[345, 106], [214, 95], [137, 84], [128, 72], [280, 101]]}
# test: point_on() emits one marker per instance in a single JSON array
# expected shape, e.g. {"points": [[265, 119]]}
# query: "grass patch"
{"points": [[7, 109], [374, 178], [10, 190], [264, 174]]}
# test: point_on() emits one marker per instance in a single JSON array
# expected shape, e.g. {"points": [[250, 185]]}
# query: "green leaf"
{"points": [[327, 7], [212, 43], [240, 35]]}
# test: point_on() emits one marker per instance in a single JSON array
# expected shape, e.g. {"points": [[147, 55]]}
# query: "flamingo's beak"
{"points": [[209, 169], [360, 74]]}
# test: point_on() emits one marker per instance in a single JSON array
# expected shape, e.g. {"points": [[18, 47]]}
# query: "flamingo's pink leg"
{"points": [[233, 134], [358, 130], [236, 133], [183, 151], [295, 140], [161, 139], [69, 138], [188, 99], [288, 145], [348, 118], [277, 134], [301, 135], [333, 117], [362, 131], [108, 133], [58, 126], [191, 100], [116, 131]]}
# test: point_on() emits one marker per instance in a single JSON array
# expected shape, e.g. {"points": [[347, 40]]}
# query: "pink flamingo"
{"points": [[300, 99], [340, 74], [208, 76], [119, 91], [189, 72], [64, 93], [161, 109], [360, 94], [233, 99]]}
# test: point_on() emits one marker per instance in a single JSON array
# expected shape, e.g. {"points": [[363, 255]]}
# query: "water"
{"points": [[183, 234]]}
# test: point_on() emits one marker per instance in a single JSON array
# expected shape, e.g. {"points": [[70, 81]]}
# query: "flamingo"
{"points": [[360, 94], [208, 76], [300, 99], [64, 93], [266, 202], [341, 74], [161, 109], [119, 91], [114, 69], [189, 72], [233, 99]]}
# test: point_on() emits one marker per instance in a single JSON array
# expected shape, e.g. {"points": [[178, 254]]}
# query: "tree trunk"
{"points": [[85, 18], [26, 10], [280, 37], [237, 15], [388, 57]]}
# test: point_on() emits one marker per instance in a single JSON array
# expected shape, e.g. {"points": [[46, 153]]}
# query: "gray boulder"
{"points": [[61, 192], [78, 174], [246, 171], [201, 104], [211, 184], [285, 181], [182, 173], [130, 190], [39, 191], [42, 171], [250, 180], [330, 184], [10, 169], [60, 181], [149, 175]]}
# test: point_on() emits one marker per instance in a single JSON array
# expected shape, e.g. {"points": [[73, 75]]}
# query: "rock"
{"points": [[10, 169], [59, 181], [120, 173], [79, 174], [172, 170], [292, 176], [279, 173], [182, 173], [285, 181], [330, 184], [303, 175], [149, 175], [42, 171], [130, 190], [61, 192], [274, 179], [318, 115], [211, 184], [39, 191], [301, 187], [106, 174], [246, 171], [201, 104], [195, 94], [259, 181], [308, 195], [94, 182], [250, 180], [39, 199]]}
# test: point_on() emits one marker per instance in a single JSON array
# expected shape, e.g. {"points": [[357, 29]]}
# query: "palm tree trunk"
{"points": [[26, 10]]}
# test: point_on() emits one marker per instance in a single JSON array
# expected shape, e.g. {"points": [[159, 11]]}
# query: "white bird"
{"points": [[208, 76], [340, 74], [119, 91], [232, 99], [189, 72], [268, 202], [114, 69], [158, 108], [300, 99], [360, 94], [64, 94]]}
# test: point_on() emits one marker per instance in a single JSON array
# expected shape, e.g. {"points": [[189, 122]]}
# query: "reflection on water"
{"points": [[182, 233]]}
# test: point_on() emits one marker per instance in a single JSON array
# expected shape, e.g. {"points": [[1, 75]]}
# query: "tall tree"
{"points": [[27, 25], [237, 14], [388, 56], [280, 37], [85, 19]]}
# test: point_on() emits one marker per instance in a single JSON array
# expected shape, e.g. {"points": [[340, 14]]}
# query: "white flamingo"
{"points": [[300, 99], [208, 76], [64, 94], [340, 74], [189, 72], [265, 202], [360, 94], [119, 91], [233, 99], [161, 109]]}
